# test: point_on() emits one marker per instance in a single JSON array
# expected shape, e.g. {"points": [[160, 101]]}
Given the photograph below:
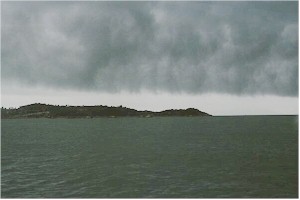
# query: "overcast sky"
{"points": [[220, 57]]}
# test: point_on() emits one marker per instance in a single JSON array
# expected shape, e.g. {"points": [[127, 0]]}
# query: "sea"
{"points": [[159, 157]]}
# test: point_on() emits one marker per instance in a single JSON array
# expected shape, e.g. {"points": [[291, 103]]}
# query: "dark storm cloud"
{"points": [[191, 47]]}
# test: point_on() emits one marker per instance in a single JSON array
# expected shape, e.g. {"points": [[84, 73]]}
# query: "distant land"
{"points": [[39, 110]]}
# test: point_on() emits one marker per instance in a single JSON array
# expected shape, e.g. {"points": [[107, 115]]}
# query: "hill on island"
{"points": [[39, 110]]}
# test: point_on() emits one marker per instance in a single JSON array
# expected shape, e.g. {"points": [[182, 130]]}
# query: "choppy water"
{"points": [[255, 156]]}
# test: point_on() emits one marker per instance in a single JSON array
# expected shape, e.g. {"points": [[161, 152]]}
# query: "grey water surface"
{"points": [[200, 157]]}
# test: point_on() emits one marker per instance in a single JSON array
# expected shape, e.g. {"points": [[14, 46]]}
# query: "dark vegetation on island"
{"points": [[38, 110]]}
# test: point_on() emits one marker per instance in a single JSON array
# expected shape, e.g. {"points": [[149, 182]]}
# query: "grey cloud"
{"points": [[190, 47]]}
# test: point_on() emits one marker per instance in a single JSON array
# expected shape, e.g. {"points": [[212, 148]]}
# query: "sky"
{"points": [[224, 58]]}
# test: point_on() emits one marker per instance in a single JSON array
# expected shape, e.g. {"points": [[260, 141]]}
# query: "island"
{"points": [[39, 110]]}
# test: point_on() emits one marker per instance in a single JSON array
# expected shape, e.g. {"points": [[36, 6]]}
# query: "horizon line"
{"points": [[229, 115]]}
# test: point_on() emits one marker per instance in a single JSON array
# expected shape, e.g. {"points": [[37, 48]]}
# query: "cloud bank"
{"points": [[177, 47]]}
